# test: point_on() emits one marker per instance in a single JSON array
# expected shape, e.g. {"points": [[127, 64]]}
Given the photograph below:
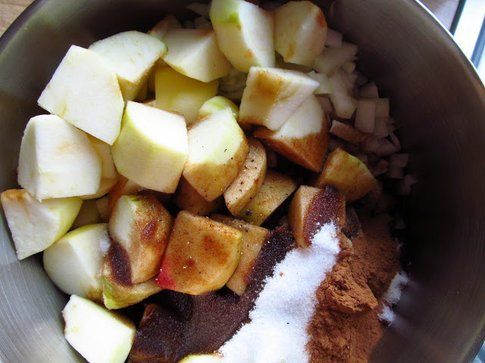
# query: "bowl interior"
{"points": [[438, 100]]}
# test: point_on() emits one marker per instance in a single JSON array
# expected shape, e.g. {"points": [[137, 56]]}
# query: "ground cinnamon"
{"points": [[345, 327]]}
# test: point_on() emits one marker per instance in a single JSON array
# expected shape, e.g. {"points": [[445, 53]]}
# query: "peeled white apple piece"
{"points": [[57, 160], [332, 59], [36, 225], [342, 100], [303, 138], [195, 54], [131, 55], [99, 335], [272, 95], [152, 147], [163, 26], [180, 94], [217, 151], [244, 33], [300, 32], [218, 103], [109, 175], [74, 262], [84, 91], [325, 87]]}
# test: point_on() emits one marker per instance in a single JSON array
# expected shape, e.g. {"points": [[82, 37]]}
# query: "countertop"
{"points": [[10, 9]]}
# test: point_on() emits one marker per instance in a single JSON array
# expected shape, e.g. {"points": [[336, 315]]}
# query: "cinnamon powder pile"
{"points": [[346, 327]]}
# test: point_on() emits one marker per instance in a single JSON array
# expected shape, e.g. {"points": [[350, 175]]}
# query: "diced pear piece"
{"points": [[99, 335], [201, 255], [302, 139], [195, 54], [180, 94], [187, 198], [348, 174], [141, 225], [249, 180], [85, 92], [274, 191], [202, 358], [74, 262], [272, 95], [116, 294], [37, 225], [300, 32], [252, 241], [163, 26], [299, 211], [217, 151], [57, 160], [130, 55], [89, 214], [109, 175], [244, 33], [152, 147], [332, 59], [218, 103]]}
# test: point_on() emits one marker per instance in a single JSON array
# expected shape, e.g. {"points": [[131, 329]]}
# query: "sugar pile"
{"points": [[392, 296], [277, 331]]}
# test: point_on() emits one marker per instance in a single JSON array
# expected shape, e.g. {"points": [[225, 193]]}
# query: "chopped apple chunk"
{"points": [[201, 255], [244, 33], [180, 94], [333, 58], [300, 32], [275, 190], [250, 179], [218, 103], [187, 198], [272, 95], [123, 187], [57, 160], [253, 238], [217, 151], [74, 262], [163, 26], [131, 55], [97, 334], [152, 147], [37, 225], [348, 174], [141, 225], [299, 210], [85, 92], [195, 54], [303, 139]]}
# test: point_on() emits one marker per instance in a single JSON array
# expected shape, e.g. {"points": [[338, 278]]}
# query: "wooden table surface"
{"points": [[10, 9]]}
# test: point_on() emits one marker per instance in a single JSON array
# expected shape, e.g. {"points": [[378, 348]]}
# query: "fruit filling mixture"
{"points": [[219, 190]]}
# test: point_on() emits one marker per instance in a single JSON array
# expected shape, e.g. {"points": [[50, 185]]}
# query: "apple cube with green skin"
{"points": [[300, 32], [84, 91], [195, 54], [117, 294], [152, 147], [180, 94], [272, 95], [130, 55], [109, 175], [215, 104], [201, 255], [37, 225], [302, 139], [141, 225], [57, 160], [217, 151], [74, 262], [99, 335], [244, 33], [348, 174]]}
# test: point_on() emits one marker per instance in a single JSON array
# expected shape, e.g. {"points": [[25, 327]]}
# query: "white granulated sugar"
{"points": [[277, 331], [392, 296]]}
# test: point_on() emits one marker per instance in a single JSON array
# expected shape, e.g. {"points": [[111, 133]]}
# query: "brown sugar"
{"points": [[346, 327]]}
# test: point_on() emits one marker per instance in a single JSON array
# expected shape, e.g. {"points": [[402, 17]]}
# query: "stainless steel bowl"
{"points": [[438, 99]]}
